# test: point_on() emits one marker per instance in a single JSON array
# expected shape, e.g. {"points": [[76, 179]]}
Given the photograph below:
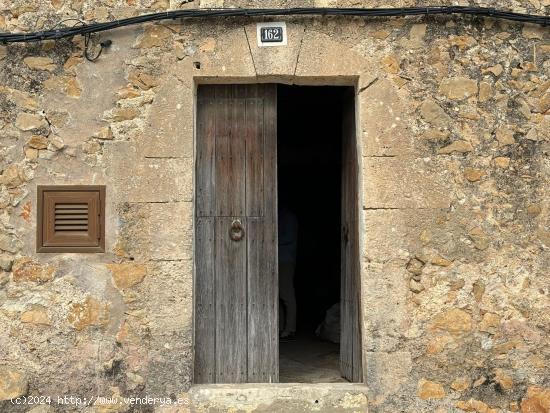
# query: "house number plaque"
{"points": [[271, 34]]}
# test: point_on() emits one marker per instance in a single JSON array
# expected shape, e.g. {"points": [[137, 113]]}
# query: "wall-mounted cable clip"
{"points": [[102, 45]]}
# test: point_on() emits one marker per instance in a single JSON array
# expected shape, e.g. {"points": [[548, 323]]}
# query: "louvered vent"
{"points": [[71, 218]]}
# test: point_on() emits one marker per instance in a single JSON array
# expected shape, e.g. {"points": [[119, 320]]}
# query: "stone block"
{"points": [[139, 179], [224, 53], [13, 383], [158, 231], [169, 130], [278, 60], [321, 56], [391, 234], [383, 114], [395, 182], [171, 312], [386, 373], [384, 302]]}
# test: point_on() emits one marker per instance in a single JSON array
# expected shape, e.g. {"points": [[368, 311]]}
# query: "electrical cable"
{"points": [[88, 29]]}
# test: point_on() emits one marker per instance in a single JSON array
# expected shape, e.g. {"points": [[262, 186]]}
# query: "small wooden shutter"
{"points": [[71, 219]]}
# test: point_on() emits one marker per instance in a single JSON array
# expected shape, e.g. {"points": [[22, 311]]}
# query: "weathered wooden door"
{"points": [[350, 328], [236, 303]]}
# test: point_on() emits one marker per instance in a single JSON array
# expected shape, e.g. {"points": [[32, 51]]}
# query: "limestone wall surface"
{"points": [[454, 136]]}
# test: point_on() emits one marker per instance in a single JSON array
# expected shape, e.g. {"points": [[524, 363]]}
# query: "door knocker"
{"points": [[236, 232]]}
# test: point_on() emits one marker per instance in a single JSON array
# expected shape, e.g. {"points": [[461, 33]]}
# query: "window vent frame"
{"points": [[89, 198]]}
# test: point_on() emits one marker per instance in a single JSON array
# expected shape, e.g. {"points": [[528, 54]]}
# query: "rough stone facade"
{"points": [[454, 130]]}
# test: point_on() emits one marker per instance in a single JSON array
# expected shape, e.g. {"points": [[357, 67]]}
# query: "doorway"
{"points": [[260, 148], [309, 168]]}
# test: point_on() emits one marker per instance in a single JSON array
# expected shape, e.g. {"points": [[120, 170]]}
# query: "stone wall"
{"points": [[455, 143]]}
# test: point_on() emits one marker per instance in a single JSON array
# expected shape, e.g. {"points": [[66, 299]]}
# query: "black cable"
{"points": [[88, 29]]}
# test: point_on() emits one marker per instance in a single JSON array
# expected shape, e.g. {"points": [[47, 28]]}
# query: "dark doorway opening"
{"points": [[309, 150]]}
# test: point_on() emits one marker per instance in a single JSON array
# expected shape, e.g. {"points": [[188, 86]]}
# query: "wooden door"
{"points": [[350, 328], [236, 304]]}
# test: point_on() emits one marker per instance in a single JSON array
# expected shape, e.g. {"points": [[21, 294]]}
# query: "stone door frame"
{"points": [[352, 81]]}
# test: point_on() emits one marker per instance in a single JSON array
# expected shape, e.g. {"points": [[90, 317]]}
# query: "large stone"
{"points": [[381, 226], [502, 162], [27, 121], [387, 373], [393, 182], [38, 142], [485, 91], [275, 398], [495, 70], [276, 61], [13, 383], [143, 80], [40, 63], [532, 31], [155, 35], [73, 87], [537, 400], [428, 389], [122, 114], [149, 236], [91, 312], [505, 136], [20, 98], [454, 321], [170, 131], [461, 383], [503, 379], [458, 88], [544, 103], [473, 174], [473, 405], [232, 58], [456, 146], [127, 275], [434, 114], [322, 55], [480, 238], [9, 242], [385, 131], [490, 323], [147, 180], [25, 269], [36, 315], [104, 133], [387, 290], [13, 176], [417, 34], [6, 262]]}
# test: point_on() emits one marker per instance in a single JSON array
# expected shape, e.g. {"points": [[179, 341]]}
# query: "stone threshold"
{"points": [[279, 397]]}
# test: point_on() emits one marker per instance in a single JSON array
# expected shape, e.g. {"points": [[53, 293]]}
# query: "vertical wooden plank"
{"points": [[237, 146], [350, 342], [355, 285], [205, 168], [222, 161], [254, 157], [259, 351], [269, 93], [231, 303], [230, 157], [205, 315], [263, 341], [263, 351]]}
